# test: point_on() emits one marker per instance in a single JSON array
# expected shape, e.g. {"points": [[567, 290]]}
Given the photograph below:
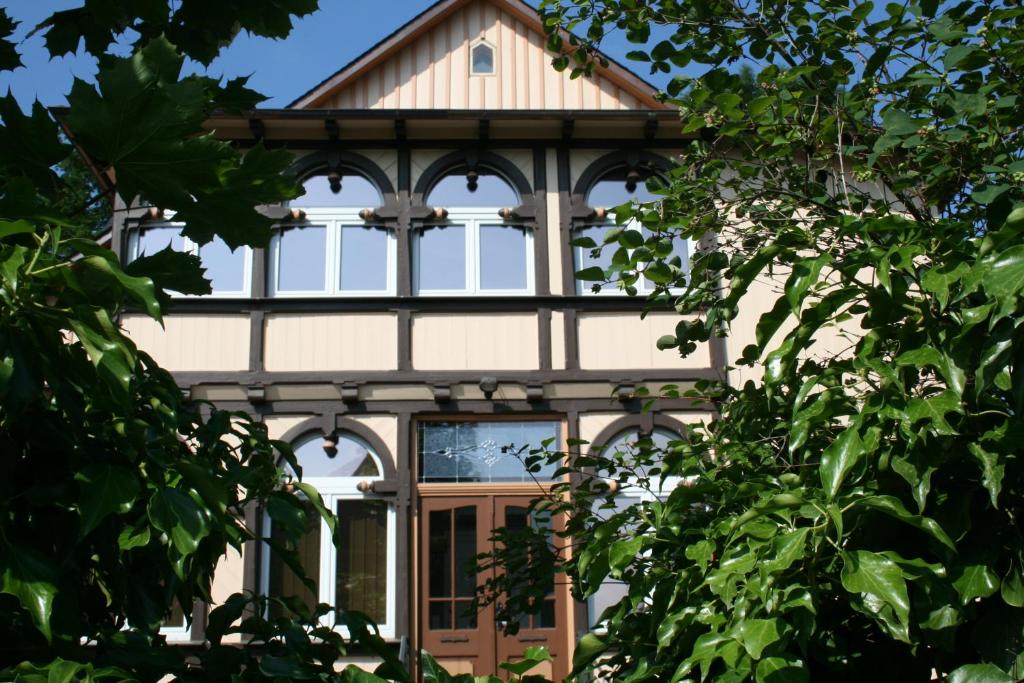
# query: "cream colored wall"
{"points": [[555, 235], [579, 160], [557, 340], [386, 159], [592, 424], [616, 341], [193, 342], [279, 425], [432, 72], [475, 341], [330, 341], [386, 429]]}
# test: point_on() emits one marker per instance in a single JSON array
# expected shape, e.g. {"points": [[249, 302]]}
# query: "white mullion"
{"points": [[472, 256], [332, 265]]}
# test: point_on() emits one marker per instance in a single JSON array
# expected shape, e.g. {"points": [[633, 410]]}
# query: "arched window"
{"points": [[630, 448], [228, 270], [336, 247], [359, 573], [473, 250], [615, 188]]}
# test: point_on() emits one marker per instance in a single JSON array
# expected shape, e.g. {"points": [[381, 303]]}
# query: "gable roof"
{"points": [[424, 64]]}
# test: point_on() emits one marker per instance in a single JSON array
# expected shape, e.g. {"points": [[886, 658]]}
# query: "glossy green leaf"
{"points": [[979, 673], [975, 581], [177, 515], [839, 458], [31, 577], [877, 577], [757, 634], [104, 490]]}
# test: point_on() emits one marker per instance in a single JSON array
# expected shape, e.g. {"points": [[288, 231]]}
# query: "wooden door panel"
{"points": [[453, 532]]}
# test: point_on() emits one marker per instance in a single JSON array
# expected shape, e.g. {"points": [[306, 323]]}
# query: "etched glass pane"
{"points": [[502, 257], [361, 577], [356, 193], [224, 268], [484, 451], [302, 259], [441, 258], [364, 259], [492, 191], [353, 458]]}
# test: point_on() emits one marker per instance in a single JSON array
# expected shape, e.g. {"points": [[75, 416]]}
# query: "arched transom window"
{"points": [[359, 572], [615, 188], [334, 246], [475, 246]]}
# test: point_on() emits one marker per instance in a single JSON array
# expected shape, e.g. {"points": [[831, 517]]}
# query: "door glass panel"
{"points": [[363, 557], [440, 554], [483, 451], [302, 259], [502, 257], [440, 614], [364, 259], [283, 581], [465, 615], [441, 262], [519, 520], [465, 551]]}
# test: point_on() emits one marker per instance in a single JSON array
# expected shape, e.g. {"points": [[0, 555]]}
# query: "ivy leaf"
{"points": [[934, 409], [839, 458], [893, 507], [975, 581], [779, 670], [805, 273], [979, 673], [177, 515], [992, 471], [757, 634], [105, 490], [878, 577], [31, 577]]}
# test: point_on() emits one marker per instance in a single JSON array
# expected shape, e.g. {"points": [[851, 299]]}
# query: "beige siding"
{"points": [[557, 340], [331, 341], [279, 425], [386, 429], [193, 342], [592, 424], [432, 72], [475, 342], [613, 341]]}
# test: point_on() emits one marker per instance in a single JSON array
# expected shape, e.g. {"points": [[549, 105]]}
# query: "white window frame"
{"points": [[178, 634], [333, 221], [472, 220], [193, 247], [643, 287], [494, 58], [332, 490]]}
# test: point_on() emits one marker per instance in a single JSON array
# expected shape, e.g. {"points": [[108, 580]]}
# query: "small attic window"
{"points": [[482, 60]]}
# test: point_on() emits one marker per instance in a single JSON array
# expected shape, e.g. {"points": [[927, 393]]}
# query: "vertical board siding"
{"points": [[475, 341], [193, 342], [432, 72], [296, 342]]}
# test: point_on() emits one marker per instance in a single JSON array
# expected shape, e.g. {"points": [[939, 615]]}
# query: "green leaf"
{"points": [[591, 274], [992, 471], [893, 507], [979, 673], [934, 409], [881, 581], [9, 228], [105, 490], [177, 515], [779, 670], [757, 634], [31, 577], [1012, 587], [805, 273], [839, 458], [623, 552], [588, 648], [975, 581]]}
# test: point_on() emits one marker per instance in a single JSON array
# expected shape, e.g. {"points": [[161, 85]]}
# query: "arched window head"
{"points": [[338, 189], [476, 188], [340, 455], [482, 59], [620, 186]]}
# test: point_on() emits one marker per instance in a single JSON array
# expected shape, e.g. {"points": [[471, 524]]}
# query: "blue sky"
{"points": [[320, 45]]}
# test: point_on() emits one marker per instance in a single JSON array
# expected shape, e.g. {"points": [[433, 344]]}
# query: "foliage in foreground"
{"points": [[119, 496], [856, 514]]}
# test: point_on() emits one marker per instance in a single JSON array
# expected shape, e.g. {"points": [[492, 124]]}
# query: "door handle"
{"points": [[454, 639], [533, 639]]}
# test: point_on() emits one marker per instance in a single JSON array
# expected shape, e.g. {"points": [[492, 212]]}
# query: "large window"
{"points": [[611, 190], [473, 251], [484, 451], [359, 573], [640, 481], [227, 270], [333, 250]]}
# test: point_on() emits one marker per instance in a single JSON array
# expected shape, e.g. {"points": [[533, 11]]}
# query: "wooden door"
{"points": [[453, 531], [547, 627]]}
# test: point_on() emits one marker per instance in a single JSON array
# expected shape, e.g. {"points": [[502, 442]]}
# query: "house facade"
{"points": [[415, 320]]}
